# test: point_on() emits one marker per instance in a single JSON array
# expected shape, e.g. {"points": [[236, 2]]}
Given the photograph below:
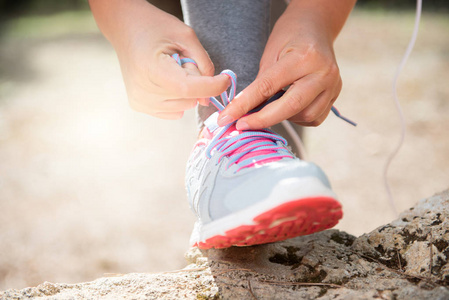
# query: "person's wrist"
{"points": [[120, 21], [312, 17]]}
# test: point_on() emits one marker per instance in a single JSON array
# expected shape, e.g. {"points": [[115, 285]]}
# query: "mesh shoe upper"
{"points": [[218, 184]]}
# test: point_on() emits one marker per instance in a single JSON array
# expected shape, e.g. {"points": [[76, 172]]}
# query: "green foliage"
{"points": [[10, 8]]}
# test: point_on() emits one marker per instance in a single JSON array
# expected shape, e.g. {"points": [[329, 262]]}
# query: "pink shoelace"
{"points": [[250, 147]]}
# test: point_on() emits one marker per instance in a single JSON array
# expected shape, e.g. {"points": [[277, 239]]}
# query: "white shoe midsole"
{"points": [[287, 190]]}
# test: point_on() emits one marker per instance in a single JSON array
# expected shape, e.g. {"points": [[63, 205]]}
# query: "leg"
{"points": [[234, 32]]}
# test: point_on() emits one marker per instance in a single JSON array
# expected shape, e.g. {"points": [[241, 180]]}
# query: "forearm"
{"points": [[121, 20], [327, 16], [299, 54]]}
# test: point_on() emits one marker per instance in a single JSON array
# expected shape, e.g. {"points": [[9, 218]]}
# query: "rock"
{"points": [[406, 259], [417, 243]]}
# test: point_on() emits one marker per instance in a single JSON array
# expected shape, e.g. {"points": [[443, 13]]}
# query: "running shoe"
{"points": [[248, 188]]}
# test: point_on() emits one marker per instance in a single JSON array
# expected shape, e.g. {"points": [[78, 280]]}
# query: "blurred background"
{"points": [[89, 187]]}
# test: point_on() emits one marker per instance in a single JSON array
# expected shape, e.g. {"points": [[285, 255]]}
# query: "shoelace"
{"points": [[243, 148], [220, 107], [250, 147]]}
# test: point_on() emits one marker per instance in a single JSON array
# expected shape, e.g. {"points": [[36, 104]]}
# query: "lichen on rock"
{"points": [[417, 243]]}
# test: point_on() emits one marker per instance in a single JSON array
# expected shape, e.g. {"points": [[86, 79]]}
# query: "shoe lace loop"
{"points": [[244, 148], [249, 147]]}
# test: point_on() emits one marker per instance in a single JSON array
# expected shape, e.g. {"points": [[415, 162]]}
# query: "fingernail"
{"points": [[227, 77], [224, 120], [242, 125], [203, 102]]}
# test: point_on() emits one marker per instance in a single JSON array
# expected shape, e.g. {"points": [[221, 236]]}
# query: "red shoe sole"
{"points": [[289, 220]]}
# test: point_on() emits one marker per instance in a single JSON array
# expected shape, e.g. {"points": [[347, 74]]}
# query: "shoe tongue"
{"points": [[211, 128], [211, 123]]}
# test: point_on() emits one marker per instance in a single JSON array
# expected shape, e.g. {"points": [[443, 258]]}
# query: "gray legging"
{"points": [[234, 33]]}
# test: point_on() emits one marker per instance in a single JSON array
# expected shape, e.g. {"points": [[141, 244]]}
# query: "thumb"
{"points": [[196, 51], [192, 69]]}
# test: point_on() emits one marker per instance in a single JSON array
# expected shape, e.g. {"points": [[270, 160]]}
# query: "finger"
{"points": [[266, 85], [193, 70], [316, 112], [317, 121], [297, 98], [194, 50], [178, 104], [169, 115], [203, 101], [316, 108], [178, 83], [170, 105]]}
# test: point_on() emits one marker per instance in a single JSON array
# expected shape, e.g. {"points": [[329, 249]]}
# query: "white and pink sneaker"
{"points": [[247, 188]]}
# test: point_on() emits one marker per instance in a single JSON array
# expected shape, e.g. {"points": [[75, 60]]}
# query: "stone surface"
{"points": [[416, 243], [406, 259]]}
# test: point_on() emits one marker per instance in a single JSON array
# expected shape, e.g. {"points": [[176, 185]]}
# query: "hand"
{"points": [[298, 53], [144, 38]]}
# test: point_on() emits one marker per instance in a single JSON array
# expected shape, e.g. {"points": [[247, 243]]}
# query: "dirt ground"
{"points": [[88, 186]]}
